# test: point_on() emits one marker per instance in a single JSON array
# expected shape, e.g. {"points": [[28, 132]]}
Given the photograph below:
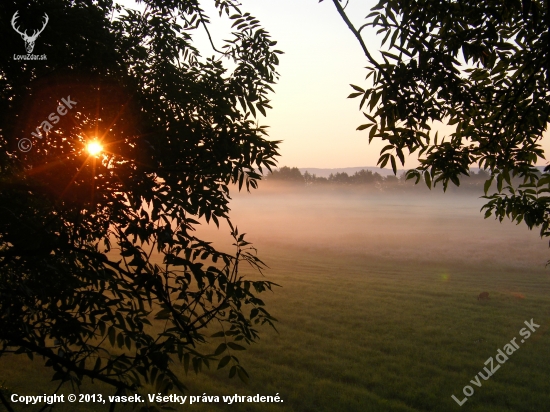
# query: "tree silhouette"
{"points": [[287, 174], [365, 177], [81, 281], [479, 68]]}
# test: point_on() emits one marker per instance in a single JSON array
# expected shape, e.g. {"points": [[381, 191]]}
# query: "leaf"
{"points": [[372, 133], [487, 185], [224, 361], [428, 179], [186, 358], [455, 180], [243, 376], [102, 327], [112, 335], [365, 126], [97, 365], [261, 109], [128, 342], [127, 252], [390, 55], [499, 182], [384, 160], [374, 99], [163, 314], [234, 346], [393, 38], [220, 349], [120, 340]]}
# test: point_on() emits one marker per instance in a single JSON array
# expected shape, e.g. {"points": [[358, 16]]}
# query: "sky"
{"points": [[311, 112]]}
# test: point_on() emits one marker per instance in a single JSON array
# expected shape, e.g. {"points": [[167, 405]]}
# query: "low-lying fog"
{"points": [[398, 225]]}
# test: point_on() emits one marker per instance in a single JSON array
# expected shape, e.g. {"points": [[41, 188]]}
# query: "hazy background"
{"points": [[398, 225]]}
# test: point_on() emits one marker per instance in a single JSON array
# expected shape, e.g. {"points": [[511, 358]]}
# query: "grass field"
{"points": [[378, 310]]}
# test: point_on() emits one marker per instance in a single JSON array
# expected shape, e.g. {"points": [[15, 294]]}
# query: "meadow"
{"points": [[378, 307]]}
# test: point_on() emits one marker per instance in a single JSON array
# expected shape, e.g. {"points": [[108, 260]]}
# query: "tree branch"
{"points": [[5, 402], [203, 22], [70, 366], [359, 38]]}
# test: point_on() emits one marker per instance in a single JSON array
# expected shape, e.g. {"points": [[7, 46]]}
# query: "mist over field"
{"points": [[416, 225], [377, 307]]}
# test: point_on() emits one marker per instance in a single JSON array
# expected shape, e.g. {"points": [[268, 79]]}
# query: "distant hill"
{"points": [[320, 172], [349, 170]]}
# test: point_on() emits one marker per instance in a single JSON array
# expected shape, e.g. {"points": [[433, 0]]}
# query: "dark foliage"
{"points": [[100, 273]]}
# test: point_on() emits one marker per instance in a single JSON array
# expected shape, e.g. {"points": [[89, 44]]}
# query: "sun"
{"points": [[94, 148]]}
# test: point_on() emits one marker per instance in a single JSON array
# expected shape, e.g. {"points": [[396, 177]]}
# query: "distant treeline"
{"points": [[292, 175]]}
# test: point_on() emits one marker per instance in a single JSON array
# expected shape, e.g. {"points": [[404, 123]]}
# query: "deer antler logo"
{"points": [[29, 40]]}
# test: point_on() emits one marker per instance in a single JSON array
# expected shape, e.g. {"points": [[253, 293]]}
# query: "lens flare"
{"points": [[94, 148]]}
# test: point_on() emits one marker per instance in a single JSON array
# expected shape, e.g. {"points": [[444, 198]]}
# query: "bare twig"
{"points": [[359, 38], [203, 22]]}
